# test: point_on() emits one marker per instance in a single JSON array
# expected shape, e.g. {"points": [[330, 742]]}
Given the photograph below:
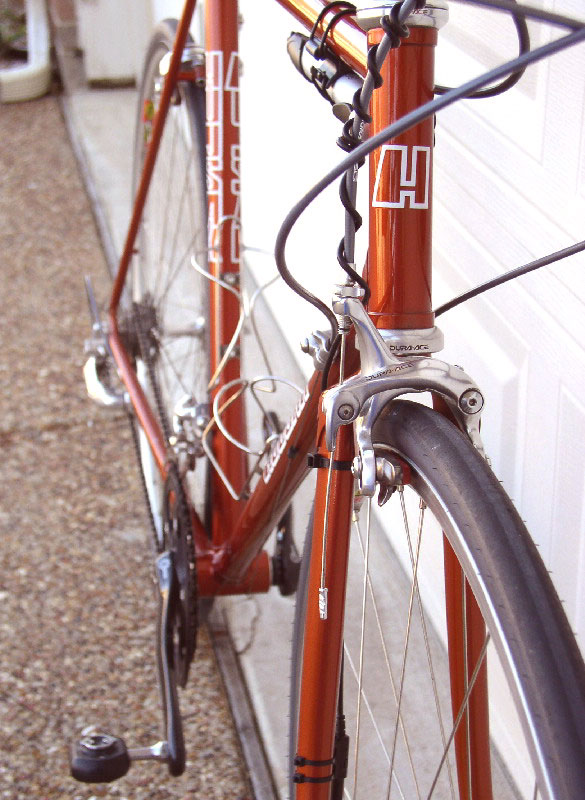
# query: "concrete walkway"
{"points": [[251, 635], [76, 600]]}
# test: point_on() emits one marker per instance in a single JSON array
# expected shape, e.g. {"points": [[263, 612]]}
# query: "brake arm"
{"points": [[384, 377]]}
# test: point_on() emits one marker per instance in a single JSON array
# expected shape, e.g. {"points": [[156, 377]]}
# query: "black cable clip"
{"points": [[301, 761], [317, 461]]}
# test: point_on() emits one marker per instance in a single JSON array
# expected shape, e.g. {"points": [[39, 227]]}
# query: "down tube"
{"points": [[283, 472], [323, 639]]}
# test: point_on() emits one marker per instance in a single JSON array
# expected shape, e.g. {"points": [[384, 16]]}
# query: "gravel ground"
{"points": [[76, 601]]}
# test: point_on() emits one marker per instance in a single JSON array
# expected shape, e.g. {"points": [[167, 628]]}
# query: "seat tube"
{"points": [[401, 174], [222, 66]]}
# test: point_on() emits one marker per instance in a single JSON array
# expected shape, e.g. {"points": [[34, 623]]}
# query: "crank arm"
{"points": [[100, 757], [173, 749]]}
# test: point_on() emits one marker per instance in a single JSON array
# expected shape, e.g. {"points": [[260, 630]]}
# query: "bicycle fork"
{"points": [[315, 763], [346, 460]]}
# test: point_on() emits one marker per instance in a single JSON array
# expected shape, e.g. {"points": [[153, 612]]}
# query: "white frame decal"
{"points": [[408, 180]]}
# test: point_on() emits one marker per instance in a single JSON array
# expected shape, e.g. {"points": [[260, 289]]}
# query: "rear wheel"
{"points": [[484, 702], [169, 296]]}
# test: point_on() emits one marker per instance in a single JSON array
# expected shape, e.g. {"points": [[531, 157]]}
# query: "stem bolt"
{"points": [[345, 411], [471, 401]]}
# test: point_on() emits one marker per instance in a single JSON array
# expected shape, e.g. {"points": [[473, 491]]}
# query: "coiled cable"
{"points": [[394, 31], [415, 117]]}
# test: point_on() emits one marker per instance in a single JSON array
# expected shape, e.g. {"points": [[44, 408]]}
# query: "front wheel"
{"points": [[461, 676]]}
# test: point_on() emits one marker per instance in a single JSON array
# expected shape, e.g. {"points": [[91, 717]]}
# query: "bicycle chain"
{"points": [[176, 523], [136, 442], [143, 350]]}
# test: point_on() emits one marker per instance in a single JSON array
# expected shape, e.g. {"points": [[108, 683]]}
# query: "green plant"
{"points": [[12, 28]]}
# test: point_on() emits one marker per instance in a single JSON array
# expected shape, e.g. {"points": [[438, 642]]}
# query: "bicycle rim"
{"points": [[493, 708], [170, 298]]}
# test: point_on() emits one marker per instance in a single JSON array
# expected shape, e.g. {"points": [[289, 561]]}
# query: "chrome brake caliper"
{"points": [[384, 377]]}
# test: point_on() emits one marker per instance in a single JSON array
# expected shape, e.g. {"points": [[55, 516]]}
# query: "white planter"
{"points": [[31, 79]]}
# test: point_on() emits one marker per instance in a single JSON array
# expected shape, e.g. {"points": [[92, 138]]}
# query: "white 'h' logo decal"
{"points": [[420, 164]]}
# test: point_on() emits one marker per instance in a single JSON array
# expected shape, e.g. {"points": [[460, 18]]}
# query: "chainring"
{"points": [[178, 538]]}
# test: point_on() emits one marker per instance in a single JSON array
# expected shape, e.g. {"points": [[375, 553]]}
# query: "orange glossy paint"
{"points": [[141, 406], [323, 641], [399, 275], [399, 260], [223, 179], [352, 53], [257, 579], [466, 635], [284, 470]]}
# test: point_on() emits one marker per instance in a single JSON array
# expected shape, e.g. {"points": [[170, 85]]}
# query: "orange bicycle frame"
{"points": [[398, 271], [235, 561]]}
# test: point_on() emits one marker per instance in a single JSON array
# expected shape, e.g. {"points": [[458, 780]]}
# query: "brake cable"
{"points": [[510, 275], [415, 117]]}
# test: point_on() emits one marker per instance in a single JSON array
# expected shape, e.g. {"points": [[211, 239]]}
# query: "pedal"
{"points": [[99, 758], [98, 368]]}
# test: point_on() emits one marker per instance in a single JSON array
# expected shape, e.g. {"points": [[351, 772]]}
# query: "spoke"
{"points": [[182, 333], [426, 640], [372, 720], [185, 193], [177, 373], [180, 263], [429, 655], [179, 306], [177, 213], [466, 682], [408, 628], [363, 631], [169, 187], [387, 662], [460, 713]]}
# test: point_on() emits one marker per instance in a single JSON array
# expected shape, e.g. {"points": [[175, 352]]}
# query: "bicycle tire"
{"points": [[529, 634], [170, 299]]}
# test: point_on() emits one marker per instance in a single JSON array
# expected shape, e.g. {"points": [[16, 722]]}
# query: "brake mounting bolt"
{"points": [[345, 411], [471, 401]]}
